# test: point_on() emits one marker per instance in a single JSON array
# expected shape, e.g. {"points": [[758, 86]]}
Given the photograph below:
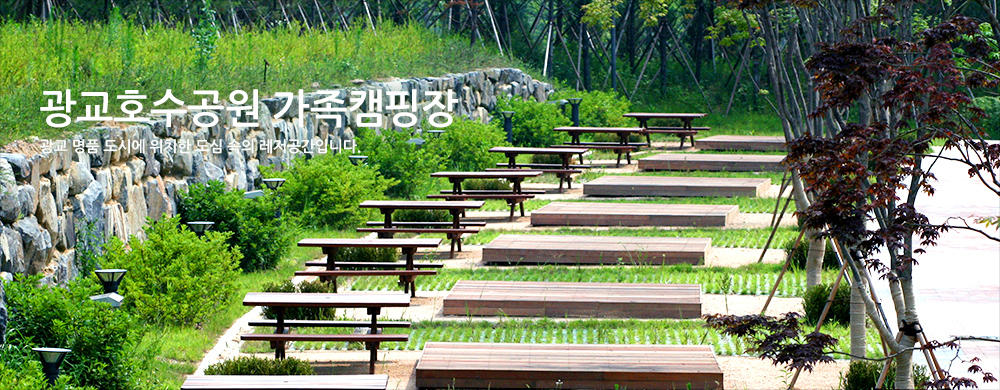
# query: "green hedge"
{"points": [[249, 365], [302, 313], [533, 122], [409, 166], [815, 299], [465, 145]]}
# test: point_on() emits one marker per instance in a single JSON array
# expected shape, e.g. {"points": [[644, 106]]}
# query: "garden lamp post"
{"points": [[436, 133], [199, 227], [273, 184], [419, 142], [357, 159], [575, 102], [561, 103], [51, 359], [508, 125], [110, 279]]}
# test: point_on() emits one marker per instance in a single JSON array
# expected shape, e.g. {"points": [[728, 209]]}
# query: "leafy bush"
{"points": [[991, 124], [608, 137], [486, 185], [366, 255], [326, 191], [863, 375], [302, 313], [421, 215], [465, 145], [260, 236], [800, 254], [533, 122], [546, 159], [175, 276], [107, 344], [814, 299], [250, 365], [600, 108], [408, 165]]}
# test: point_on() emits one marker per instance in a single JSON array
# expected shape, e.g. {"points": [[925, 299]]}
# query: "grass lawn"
{"points": [[746, 204], [721, 238]]}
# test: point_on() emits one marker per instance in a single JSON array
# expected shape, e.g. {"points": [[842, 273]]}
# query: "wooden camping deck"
{"points": [[712, 162], [576, 366], [632, 214], [676, 186], [560, 300], [556, 249], [758, 143]]}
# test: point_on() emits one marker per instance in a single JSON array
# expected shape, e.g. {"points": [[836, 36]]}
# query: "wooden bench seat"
{"points": [[285, 382], [618, 148], [372, 264], [564, 175], [331, 324], [567, 366], [408, 277], [681, 132], [513, 200], [411, 224], [371, 341], [455, 235], [526, 192], [547, 168]]}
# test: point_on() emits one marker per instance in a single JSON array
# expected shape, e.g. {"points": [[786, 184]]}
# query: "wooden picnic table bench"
{"points": [[455, 208], [686, 130], [621, 147], [286, 382], [516, 196], [564, 171], [372, 302], [330, 246]]}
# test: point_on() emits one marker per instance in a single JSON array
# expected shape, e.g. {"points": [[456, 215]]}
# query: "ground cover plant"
{"points": [[251, 365]]}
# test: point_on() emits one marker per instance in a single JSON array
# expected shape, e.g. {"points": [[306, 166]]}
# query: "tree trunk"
{"points": [[814, 258], [858, 315]]}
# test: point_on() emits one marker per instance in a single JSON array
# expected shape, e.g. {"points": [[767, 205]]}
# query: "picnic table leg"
{"points": [[522, 207], [279, 328], [511, 160], [456, 185], [331, 263], [373, 346], [642, 124]]}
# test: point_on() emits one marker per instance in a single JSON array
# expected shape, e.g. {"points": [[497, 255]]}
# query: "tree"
{"points": [[863, 92]]}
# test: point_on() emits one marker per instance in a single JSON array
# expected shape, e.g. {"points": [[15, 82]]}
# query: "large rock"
{"points": [[138, 168], [11, 252], [60, 189], [37, 243], [20, 164], [88, 207], [3, 315], [115, 222], [7, 179], [80, 177], [47, 212], [17, 204], [65, 268], [67, 228], [135, 214], [103, 176], [157, 201]]}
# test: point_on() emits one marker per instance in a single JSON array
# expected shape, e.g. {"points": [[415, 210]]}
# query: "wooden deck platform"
{"points": [[758, 143], [595, 250], [712, 162], [676, 186], [632, 214], [576, 366], [560, 300]]}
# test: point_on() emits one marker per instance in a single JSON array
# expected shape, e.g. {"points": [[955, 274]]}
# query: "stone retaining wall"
{"points": [[48, 196]]}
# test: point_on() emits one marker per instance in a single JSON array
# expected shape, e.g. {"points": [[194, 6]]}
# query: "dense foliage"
{"points": [[395, 157], [815, 299], [465, 145], [259, 236], [326, 190], [175, 276], [301, 313], [382, 255], [863, 375], [251, 365], [533, 122], [599, 108]]}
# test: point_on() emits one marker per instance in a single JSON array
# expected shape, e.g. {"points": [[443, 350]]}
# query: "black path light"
{"points": [[436, 133], [273, 184], [508, 125], [357, 159], [575, 102], [561, 103], [51, 359], [199, 227], [419, 142], [110, 279]]}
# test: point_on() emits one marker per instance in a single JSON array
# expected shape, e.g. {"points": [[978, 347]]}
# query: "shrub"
{"points": [[302, 313], [533, 122], [326, 191], [367, 255], [815, 298], [108, 349], [421, 215], [410, 166], [250, 365], [608, 137], [486, 185], [863, 375], [991, 124], [175, 276], [600, 109], [260, 236], [546, 159], [800, 254], [465, 145]]}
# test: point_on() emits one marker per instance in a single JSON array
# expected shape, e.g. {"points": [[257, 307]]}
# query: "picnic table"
{"points": [[455, 208], [280, 301], [407, 275], [514, 197], [563, 170], [621, 146], [685, 130]]}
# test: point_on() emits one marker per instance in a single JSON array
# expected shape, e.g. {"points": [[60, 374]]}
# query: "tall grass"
{"points": [[120, 55]]}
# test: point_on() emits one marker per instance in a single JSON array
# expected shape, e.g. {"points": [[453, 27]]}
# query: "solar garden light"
{"points": [[357, 159], [508, 125], [562, 104], [199, 227], [436, 133], [110, 279], [575, 102], [273, 184], [253, 194], [51, 359], [419, 142]]}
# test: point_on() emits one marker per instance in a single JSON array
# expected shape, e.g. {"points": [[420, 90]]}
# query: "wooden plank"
{"points": [[370, 242], [603, 300], [595, 366], [488, 174], [632, 214], [325, 299], [712, 162], [285, 382], [663, 115], [521, 150], [676, 186], [567, 249], [743, 142], [421, 204], [612, 130], [351, 338]]}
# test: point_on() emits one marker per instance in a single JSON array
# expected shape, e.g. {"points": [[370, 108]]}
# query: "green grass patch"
{"points": [[754, 279], [746, 204], [595, 173], [721, 238]]}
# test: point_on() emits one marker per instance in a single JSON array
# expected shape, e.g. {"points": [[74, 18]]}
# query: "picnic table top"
{"points": [[370, 242], [281, 382], [521, 150], [422, 204], [489, 174], [574, 129], [665, 115], [325, 300]]}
